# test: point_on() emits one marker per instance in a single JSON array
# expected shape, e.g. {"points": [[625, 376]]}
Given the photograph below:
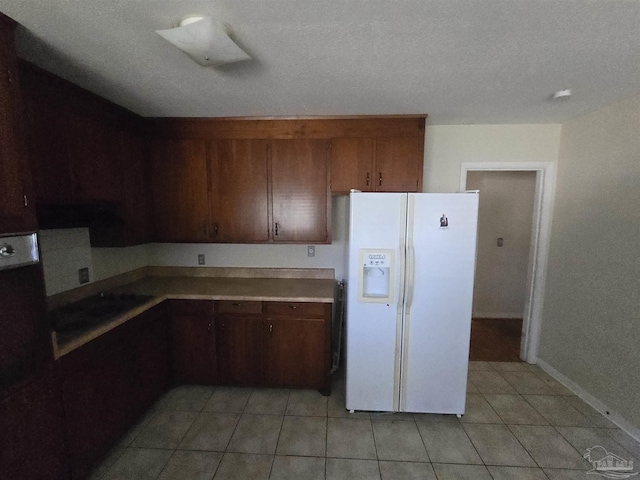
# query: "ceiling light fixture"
{"points": [[562, 94], [205, 40]]}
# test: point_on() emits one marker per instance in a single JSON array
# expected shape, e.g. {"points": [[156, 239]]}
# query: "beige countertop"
{"points": [[192, 285], [224, 288]]}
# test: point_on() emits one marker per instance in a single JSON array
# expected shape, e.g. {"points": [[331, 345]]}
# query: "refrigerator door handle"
{"points": [[411, 262]]}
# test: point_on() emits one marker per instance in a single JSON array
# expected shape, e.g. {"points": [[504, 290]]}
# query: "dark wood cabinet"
{"points": [[398, 164], [300, 191], [95, 159], [239, 334], [297, 345], [108, 383], [239, 191], [194, 342], [352, 164], [180, 190], [16, 208], [257, 344], [87, 153], [32, 443], [383, 164], [25, 343]]}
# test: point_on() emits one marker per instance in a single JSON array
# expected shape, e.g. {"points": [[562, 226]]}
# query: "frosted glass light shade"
{"points": [[206, 41]]}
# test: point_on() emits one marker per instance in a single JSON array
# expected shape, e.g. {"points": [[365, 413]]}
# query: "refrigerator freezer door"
{"points": [[441, 240], [373, 329]]}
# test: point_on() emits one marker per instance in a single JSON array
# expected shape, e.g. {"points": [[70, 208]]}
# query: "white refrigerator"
{"points": [[409, 293]]}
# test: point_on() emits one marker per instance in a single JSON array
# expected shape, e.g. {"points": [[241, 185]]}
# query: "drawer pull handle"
{"points": [[293, 306], [236, 304]]}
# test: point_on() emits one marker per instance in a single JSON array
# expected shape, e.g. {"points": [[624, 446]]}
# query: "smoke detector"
{"points": [[562, 94]]}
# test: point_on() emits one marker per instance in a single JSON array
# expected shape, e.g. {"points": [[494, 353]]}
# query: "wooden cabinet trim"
{"points": [[287, 128]]}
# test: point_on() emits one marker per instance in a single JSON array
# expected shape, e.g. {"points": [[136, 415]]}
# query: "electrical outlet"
{"points": [[311, 251], [83, 275], [201, 259]]}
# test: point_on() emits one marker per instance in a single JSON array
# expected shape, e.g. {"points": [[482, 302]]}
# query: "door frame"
{"points": [[539, 249]]}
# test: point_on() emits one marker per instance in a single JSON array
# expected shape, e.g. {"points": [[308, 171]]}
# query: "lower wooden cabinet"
{"points": [[240, 350], [252, 344], [110, 382], [32, 442], [194, 342]]}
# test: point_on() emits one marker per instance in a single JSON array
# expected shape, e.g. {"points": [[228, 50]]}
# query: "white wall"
{"points": [[506, 211], [63, 253], [448, 146], [591, 315]]}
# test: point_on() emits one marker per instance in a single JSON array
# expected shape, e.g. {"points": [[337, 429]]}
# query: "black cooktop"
{"points": [[92, 311]]}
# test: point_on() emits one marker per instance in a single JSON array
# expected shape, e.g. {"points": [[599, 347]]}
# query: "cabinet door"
{"points": [[179, 182], [25, 343], [301, 200], [239, 191], [16, 214], [32, 444], [95, 159], [239, 345], [351, 165], [295, 353], [97, 406], [194, 349], [398, 164], [152, 359], [137, 191]]}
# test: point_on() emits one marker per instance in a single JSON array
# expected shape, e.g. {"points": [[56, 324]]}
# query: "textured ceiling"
{"points": [[459, 61]]}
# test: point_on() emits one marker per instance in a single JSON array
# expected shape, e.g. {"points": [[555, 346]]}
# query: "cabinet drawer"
{"points": [[230, 306], [192, 307], [296, 308]]}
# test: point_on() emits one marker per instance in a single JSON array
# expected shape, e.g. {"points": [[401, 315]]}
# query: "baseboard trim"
{"points": [[610, 414], [512, 315]]}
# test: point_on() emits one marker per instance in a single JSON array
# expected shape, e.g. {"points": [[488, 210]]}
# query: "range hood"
{"points": [[102, 215]]}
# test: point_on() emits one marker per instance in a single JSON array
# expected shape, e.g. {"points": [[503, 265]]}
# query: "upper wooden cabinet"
{"points": [[384, 164], [239, 191], [398, 164], [270, 180], [301, 199], [16, 208], [180, 185], [384, 155], [89, 153]]}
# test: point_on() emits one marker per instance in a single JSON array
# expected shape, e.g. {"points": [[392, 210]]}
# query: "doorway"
{"points": [[538, 244], [505, 223]]}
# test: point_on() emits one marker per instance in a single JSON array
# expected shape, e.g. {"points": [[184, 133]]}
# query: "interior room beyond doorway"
{"points": [[504, 240]]}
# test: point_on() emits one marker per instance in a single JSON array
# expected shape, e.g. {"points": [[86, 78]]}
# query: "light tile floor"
{"points": [[520, 424]]}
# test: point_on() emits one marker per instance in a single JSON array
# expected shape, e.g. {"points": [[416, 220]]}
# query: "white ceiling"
{"points": [[459, 61]]}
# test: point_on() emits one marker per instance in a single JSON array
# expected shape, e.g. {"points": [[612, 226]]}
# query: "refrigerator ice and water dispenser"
{"points": [[376, 275]]}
